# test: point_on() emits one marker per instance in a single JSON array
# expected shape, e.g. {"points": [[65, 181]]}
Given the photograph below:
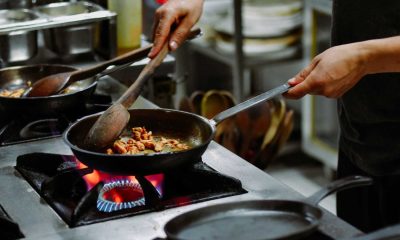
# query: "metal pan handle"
{"points": [[338, 185], [250, 103], [387, 233]]}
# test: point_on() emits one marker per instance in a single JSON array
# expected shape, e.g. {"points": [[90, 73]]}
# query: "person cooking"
{"points": [[362, 71]]}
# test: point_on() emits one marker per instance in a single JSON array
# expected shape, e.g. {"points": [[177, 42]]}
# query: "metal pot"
{"points": [[18, 46], [14, 4], [71, 40]]}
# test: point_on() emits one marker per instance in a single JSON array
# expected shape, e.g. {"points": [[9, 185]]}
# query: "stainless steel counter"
{"points": [[38, 221]]}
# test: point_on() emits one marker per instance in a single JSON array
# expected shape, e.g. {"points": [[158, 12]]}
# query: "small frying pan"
{"points": [[194, 130], [19, 76], [257, 219]]}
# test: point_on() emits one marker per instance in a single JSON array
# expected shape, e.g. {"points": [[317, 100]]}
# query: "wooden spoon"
{"points": [[55, 83], [253, 123], [186, 105], [213, 103], [112, 122], [195, 98], [230, 135]]}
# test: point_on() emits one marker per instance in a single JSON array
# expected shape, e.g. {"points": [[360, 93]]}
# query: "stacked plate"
{"points": [[268, 26]]}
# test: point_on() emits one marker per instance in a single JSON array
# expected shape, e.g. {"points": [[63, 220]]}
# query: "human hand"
{"points": [[173, 21], [331, 73]]}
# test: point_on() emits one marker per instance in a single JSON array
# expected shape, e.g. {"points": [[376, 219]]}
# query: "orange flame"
{"points": [[96, 176]]}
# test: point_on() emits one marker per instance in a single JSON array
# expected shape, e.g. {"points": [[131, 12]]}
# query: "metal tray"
{"points": [[57, 15]]}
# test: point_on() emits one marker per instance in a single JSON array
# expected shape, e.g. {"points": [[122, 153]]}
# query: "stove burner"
{"points": [[120, 194], [74, 192], [19, 129], [41, 128]]}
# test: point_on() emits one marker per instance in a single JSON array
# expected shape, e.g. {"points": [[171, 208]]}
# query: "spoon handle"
{"points": [[128, 57], [133, 92]]}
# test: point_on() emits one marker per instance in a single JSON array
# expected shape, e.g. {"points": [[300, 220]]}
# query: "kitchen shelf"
{"points": [[210, 50], [240, 64]]}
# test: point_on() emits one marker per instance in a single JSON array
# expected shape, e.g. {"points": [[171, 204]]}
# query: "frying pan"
{"points": [[78, 92], [194, 130], [257, 219], [17, 77]]}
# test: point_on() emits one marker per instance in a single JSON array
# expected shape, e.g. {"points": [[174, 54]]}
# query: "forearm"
{"points": [[381, 55]]}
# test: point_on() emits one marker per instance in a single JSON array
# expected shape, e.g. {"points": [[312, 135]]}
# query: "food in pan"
{"points": [[15, 93], [141, 141]]}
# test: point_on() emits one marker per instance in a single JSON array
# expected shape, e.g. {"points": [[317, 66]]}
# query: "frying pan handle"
{"points": [[338, 185], [250, 103], [391, 232]]}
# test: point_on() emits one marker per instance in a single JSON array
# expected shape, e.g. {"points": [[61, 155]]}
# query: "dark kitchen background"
{"points": [[293, 141]]}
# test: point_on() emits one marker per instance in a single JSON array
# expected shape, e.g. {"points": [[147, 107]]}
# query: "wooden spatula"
{"points": [[112, 122]]}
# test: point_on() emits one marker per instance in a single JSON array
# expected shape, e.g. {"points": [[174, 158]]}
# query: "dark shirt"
{"points": [[369, 113]]}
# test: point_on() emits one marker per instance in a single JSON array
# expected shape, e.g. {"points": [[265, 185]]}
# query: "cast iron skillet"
{"points": [[17, 77], [257, 219], [193, 129]]}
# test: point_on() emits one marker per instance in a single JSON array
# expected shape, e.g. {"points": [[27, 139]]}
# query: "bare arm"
{"points": [[383, 55], [336, 70], [178, 14]]}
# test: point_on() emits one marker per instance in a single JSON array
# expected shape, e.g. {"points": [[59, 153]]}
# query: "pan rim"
{"points": [[203, 144]]}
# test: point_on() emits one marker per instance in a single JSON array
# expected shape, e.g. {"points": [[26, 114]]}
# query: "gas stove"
{"points": [[82, 196], [48, 194]]}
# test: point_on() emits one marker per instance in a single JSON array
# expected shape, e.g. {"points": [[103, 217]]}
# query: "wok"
{"points": [[192, 129], [18, 77], [257, 219]]}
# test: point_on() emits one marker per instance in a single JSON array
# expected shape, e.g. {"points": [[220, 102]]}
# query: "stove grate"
{"points": [[62, 185]]}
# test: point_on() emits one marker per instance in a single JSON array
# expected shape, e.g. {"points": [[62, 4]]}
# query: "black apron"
{"points": [[369, 116], [369, 113]]}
